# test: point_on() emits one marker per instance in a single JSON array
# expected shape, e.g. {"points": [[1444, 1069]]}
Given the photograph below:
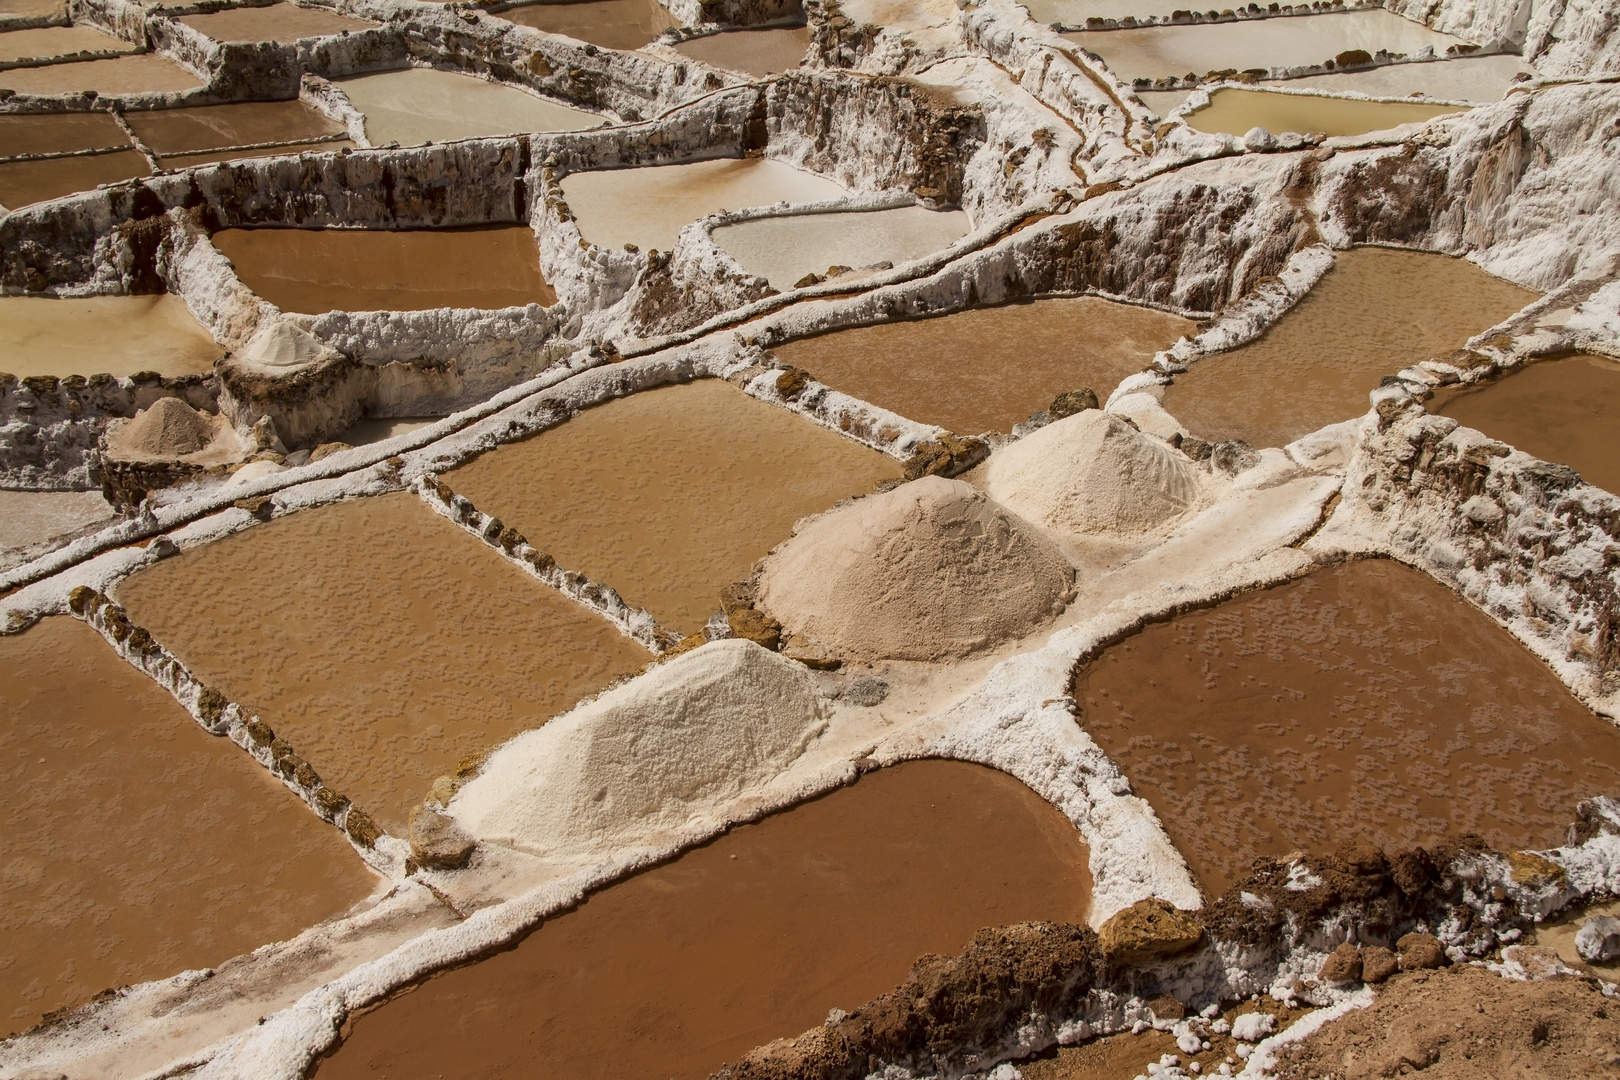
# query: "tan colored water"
{"points": [[378, 430], [649, 207], [116, 335], [211, 157], [422, 105], [989, 368], [1466, 78], [1560, 410], [785, 249], [751, 52], [1076, 12], [286, 23], [23, 183], [1364, 702], [753, 937], [380, 640], [1377, 311], [59, 41], [670, 495], [214, 127], [56, 133], [31, 7], [1234, 112], [318, 270], [136, 845], [33, 517], [146, 73], [612, 24]]}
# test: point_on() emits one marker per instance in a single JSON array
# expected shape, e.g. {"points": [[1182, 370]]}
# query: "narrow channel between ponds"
{"points": [[421, 105], [784, 249], [612, 24], [989, 368], [136, 844], [285, 23], [670, 495], [1235, 112], [753, 937], [762, 52], [1377, 311], [96, 335], [1363, 702], [381, 641]]}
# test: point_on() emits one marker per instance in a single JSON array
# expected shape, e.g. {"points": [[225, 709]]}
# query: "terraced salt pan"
{"points": [[1235, 112], [283, 22], [784, 249], [56, 133], [751, 52], [23, 183], [612, 24], [424, 105], [137, 845], [319, 270], [1374, 313], [147, 73], [115, 335], [31, 7], [59, 41], [383, 428], [1466, 78], [649, 207], [35, 517], [1560, 410], [670, 495], [173, 132], [384, 644], [1363, 702], [755, 936], [989, 368], [1150, 52]]}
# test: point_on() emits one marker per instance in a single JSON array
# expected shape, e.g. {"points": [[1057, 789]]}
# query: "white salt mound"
{"points": [[648, 756], [928, 571], [1093, 473]]}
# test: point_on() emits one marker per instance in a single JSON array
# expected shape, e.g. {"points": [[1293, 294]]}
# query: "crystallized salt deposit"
{"points": [[928, 571], [648, 756], [1091, 473]]}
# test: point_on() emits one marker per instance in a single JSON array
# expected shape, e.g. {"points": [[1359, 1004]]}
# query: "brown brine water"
{"points": [[48, 41], [143, 74], [670, 495], [1235, 112], [95, 335], [136, 845], [1377, 311], [1560, 410], [55, 133], [283, 22], [318, 270], [989, 368], [215, 127], [753, 937], [612, 24], [1363, 702], [381, 641], [419, 105], [752, 52], [23, 183]]}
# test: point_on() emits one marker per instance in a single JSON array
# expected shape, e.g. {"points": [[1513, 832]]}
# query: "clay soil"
{"points": [[753, 937], [318, 270], [146, 73], [752, 52], [25, 182], [670, 495], [215, 127], [136, 845], [1377, 311], [988, 369], [612, 24], [378, 639], [1363, 702], [285, 23]]}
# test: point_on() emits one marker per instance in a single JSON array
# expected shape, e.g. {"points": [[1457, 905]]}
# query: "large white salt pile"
{"points": [[928, 571], [648, 756], [1093, 473]]}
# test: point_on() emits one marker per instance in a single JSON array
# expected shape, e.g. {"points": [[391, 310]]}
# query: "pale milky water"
{"points": [[285, 23], [1467, 78], [147, 73], [752, 52], [384, 428], [649, 207], [59, 41], [423, 105], [115, 335], [1163, 102], [33, 517], [783, 250], [1235, 112]]}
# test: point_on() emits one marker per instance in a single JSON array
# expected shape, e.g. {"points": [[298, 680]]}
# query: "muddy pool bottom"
{"points": [[1364, 702], [136, 845], [754, 937]]}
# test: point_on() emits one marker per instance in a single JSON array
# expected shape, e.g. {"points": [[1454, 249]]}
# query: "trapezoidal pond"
{"points": [[285, 23], [421, 105], [1235, 112], [612, 24], [96, 335]]}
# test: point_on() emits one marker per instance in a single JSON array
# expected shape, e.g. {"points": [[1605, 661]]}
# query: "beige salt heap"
{"points": [[169, 428], [931, 570], [648, 756], [1092, 473]]}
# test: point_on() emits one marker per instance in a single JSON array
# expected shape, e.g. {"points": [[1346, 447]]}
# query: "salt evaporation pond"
{"points": [[612, 24], [33, 7], [753, 937], [1377, 311], [384, 644], [1363, 702], [989, 368], [649, 207], [28, 518], [670, 495], [59, 41], [182, 137], [94, 335], [784, 249], [25, 182], [752, 52], [421, 105], [1466, 78], [1235, 112], [144, 74], [318, 270], [284, 22], [1154, 51], [381, 429], [1560, 410], [137, 845]]}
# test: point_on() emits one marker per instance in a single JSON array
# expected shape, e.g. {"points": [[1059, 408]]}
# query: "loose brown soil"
{"points": [[379, 640], [318, 270], [214, 127], [1364, 702], [756, 936], [146, 73], [671, 494], [286, 23], [612, 24], [25, 182], [1377, 311], [135, 844], [988, 369]]}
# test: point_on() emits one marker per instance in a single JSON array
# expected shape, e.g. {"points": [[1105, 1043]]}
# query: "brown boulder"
{"points": [[1343, 965], [1377, 964], [437, 842], [756, 626], [1148, 930], [1073, 401], [1421, 951]]}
